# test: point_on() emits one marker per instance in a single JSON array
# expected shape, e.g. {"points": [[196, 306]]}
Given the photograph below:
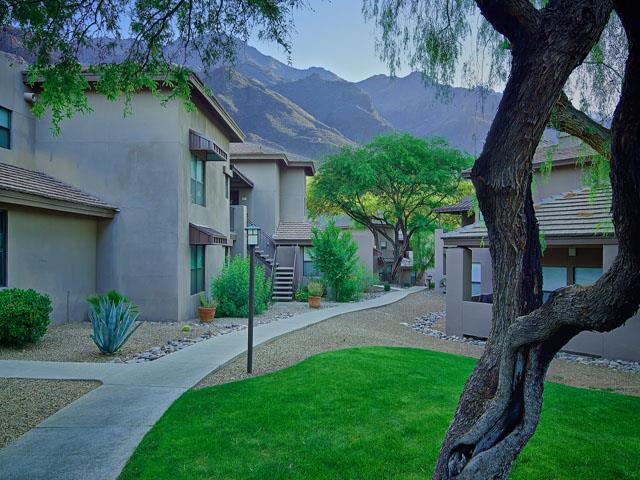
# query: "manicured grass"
{"points": [[372, 413]]}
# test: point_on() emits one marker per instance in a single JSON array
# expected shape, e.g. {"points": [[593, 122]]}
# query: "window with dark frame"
{"points": [[227, 181], [3, 248], [197, 181], [5, 128], [308, 267], [552, 279], [197, 269], [476, 278]]}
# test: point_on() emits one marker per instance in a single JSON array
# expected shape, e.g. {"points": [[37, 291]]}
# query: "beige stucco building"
{"points": [[136, 203], [268, 189], [580, 246]]}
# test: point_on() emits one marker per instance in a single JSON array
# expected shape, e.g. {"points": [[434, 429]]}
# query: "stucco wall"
{"points": [[214, 214], [364, 239], [561, 179], [474, 319], [54, 254], [132, 163], [263, 203], [12, 91], [293, 195]]}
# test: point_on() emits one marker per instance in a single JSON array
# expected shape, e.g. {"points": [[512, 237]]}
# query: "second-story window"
{"points": [[5, 128], [197, 181]]}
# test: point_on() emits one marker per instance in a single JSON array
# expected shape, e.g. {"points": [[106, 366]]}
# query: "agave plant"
{"points": [[113, 323]]}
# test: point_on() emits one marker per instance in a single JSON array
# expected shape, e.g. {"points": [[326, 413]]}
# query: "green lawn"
{"points": [[372, 413]]}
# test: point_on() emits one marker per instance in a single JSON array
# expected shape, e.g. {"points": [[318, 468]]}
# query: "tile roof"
{"points": [[296, 231], [578, 213], [568, 152], [463, 206], [21, 180], [562, 153]]}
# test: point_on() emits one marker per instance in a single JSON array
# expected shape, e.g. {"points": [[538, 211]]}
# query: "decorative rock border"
{"points": [[171, 346], [425, 325]]}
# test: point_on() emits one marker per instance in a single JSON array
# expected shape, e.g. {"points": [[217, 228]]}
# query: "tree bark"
{"points": [[566, 118], [500, 405]]}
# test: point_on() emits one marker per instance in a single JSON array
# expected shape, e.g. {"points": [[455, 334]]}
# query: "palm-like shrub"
{"points": [[114, 321]]}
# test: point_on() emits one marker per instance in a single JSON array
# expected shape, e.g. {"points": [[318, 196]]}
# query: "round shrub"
{"points": [[231, 288], [24, 316]]}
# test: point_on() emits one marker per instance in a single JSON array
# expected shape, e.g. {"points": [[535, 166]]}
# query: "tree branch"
{"points": [[566, 118], [515, 19]]}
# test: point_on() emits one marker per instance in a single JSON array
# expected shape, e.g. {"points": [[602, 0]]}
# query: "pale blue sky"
{"points": [[335, 36]]}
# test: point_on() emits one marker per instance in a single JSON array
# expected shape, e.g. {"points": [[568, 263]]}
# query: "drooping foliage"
{"points": [[449, 42], [138, 44], [546, 45]]}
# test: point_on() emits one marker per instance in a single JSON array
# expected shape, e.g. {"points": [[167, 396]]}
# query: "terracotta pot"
{"points": [[314, 302], [206, 314]]}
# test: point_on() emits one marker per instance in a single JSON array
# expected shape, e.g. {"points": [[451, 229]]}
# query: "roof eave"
{"points": [[28, 199], [233, 129]]}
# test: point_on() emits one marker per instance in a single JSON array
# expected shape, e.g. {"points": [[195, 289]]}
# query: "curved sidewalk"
{"points": [[94, 436]]}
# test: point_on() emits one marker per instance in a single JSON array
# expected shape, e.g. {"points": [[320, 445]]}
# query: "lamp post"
{"points": [[252, 241]]}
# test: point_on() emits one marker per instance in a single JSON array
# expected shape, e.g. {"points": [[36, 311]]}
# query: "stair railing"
{"points": [[273, 271], [295, 269]]}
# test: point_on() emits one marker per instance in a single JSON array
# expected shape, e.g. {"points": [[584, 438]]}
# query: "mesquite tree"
{"points": [[390, 186], [133, 45], [500, 406]]}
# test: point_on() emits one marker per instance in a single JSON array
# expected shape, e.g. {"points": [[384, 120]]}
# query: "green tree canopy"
{"points": [[391, 186], [140, 44]]}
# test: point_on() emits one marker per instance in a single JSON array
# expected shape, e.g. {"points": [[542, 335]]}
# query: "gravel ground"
{"points": [[71, 342], [390, 326], [26, 403]]}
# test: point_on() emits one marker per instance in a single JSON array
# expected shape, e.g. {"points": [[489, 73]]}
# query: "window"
{"points": [[3, 248], [5, 128], [587, 275], [226, 187], [197, 269], [552, 279], [197, 181], [383, 244], [476, 278], [308, 268]]}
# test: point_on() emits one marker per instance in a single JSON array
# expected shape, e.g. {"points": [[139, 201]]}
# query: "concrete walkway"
{"points": [[93, 437]]}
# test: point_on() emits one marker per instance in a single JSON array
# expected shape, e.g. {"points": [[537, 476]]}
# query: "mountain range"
{"points": [[312, 112]]}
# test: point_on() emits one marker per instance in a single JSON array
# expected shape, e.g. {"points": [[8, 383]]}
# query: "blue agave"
{"points": [[113, 323]]}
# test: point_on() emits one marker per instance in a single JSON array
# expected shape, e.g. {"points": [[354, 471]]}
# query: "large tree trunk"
{"points": [[500, 405]]}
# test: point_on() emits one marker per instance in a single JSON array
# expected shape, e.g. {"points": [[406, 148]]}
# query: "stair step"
{"points": [[286, 269]]}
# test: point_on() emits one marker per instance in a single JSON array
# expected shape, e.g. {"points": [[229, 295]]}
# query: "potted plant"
{"points": [[207, 308], [315, 289]]}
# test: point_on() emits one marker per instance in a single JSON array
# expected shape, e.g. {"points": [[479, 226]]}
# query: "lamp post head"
{"points": [[252, 234]]}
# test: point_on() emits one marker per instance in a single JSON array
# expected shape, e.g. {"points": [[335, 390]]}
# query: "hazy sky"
{"points": [[335, 36]]}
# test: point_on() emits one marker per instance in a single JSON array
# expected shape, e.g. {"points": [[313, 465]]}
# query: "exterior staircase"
{"points": [[264, 258], [283, 284]]}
